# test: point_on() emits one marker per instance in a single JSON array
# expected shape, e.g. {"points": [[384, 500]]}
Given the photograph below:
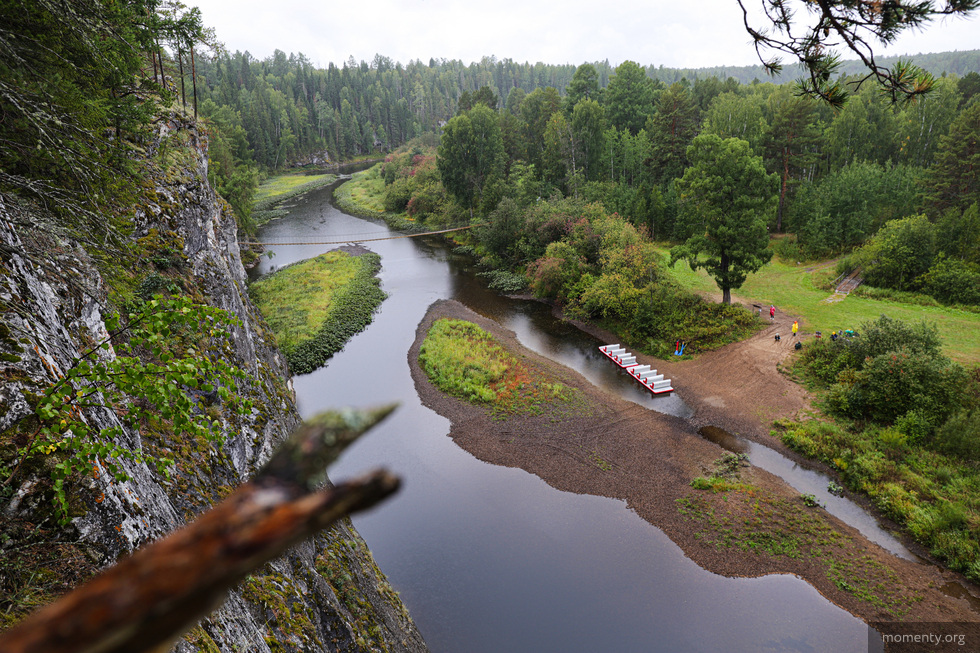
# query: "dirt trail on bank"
{"points": [[606, 446], [739, 387]]}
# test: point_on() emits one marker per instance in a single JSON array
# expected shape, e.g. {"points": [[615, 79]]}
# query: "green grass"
{"points": [[367, 190], [313, 307], [463, 360], [275, 190], [364, 195], [744, 517], [276, 187], [936, 497], [797, 290]]}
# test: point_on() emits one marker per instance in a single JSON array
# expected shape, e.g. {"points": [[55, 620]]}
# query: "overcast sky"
{"points": [[676, 34]]}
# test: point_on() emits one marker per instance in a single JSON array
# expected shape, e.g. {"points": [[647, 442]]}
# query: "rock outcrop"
{"points": [[325, 594]]}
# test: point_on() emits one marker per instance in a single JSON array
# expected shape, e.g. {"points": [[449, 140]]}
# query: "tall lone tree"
{"points": [[726, 197]]}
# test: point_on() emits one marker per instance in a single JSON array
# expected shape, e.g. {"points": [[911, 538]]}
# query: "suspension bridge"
{"points": [[358, 238]]}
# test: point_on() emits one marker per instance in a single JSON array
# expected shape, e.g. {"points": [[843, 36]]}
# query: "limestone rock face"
{"points": [[326, 594]]}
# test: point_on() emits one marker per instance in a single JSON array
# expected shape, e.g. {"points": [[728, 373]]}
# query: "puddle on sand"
{"points": [[957, 591], [808, 481]]}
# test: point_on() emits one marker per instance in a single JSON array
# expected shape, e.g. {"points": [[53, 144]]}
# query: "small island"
{"points": [[315, 306]]}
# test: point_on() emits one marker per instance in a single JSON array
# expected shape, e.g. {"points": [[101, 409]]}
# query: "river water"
{"points": [[492, 559]]}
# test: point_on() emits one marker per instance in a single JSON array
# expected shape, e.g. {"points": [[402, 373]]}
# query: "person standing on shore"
{"points": [[772, 312], [796, 326]]}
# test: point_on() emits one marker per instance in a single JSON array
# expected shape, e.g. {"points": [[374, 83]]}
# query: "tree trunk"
{"points": [[782, 194], [180, 67], [726, 289], [194, 80]]}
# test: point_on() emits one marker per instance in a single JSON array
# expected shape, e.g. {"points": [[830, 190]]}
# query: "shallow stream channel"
{"points": [[492, 559]]}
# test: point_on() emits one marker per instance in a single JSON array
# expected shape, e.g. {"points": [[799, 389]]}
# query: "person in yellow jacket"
{"points": [[796, 327]]}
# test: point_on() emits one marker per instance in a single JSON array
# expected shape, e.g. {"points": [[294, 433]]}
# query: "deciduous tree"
{"points": [[470, 154]]}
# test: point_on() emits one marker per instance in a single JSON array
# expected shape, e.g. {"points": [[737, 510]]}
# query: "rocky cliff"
{"points": [[55, 295]]}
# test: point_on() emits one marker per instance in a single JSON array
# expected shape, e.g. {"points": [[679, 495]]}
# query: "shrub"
{"points": [[898, 382], [960, 435], [952, 282], [505, 282], [887, 335], [556, 272]]}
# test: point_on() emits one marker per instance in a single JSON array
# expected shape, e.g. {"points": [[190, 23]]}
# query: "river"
{"points": [[491, 559]]}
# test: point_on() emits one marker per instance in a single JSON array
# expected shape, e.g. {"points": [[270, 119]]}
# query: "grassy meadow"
{"points": [[464, 361], [800, 290], [281, 188], [934, 495], [313, 307], [366, 190]]}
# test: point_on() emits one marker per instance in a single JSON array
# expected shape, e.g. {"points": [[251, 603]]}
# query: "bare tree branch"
{"points": [[148, 599]]}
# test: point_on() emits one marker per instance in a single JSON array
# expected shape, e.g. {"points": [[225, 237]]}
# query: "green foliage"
{"points": [[671, 128], [584, 86], [73, 103], [960, 435], [954, 180], [629, 97], [951, 282], [849, 204], [412, 184], [725, 199], [898, 254], [810, 501], [866, 130], [958, 234], [732, 115], [892, 373], [932, 494], [471, 155], [463, 360], [315, 306], [886, 335], [508, 283], [163, 364], [790, 143], [557, 271]]}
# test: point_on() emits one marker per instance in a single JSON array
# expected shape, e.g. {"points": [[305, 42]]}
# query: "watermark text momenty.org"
{"points": [[927, 638], [924, 637]]}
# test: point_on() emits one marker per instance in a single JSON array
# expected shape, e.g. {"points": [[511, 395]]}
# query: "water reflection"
{"points": [[492, 559]]}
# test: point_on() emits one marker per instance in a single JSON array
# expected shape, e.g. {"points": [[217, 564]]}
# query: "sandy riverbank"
{"points": [[610, 447]]}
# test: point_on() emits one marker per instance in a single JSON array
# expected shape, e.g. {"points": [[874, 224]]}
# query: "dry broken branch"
{"points": [[148, 599]]}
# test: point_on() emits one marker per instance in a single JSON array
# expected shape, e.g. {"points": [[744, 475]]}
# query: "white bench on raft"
{"points": [[648, 377]]}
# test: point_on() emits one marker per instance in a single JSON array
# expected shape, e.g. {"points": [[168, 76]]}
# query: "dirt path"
{"points": [[610, 447]]}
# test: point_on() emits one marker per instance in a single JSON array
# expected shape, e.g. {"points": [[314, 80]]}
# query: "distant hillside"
{"points": [[958, 63]]}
